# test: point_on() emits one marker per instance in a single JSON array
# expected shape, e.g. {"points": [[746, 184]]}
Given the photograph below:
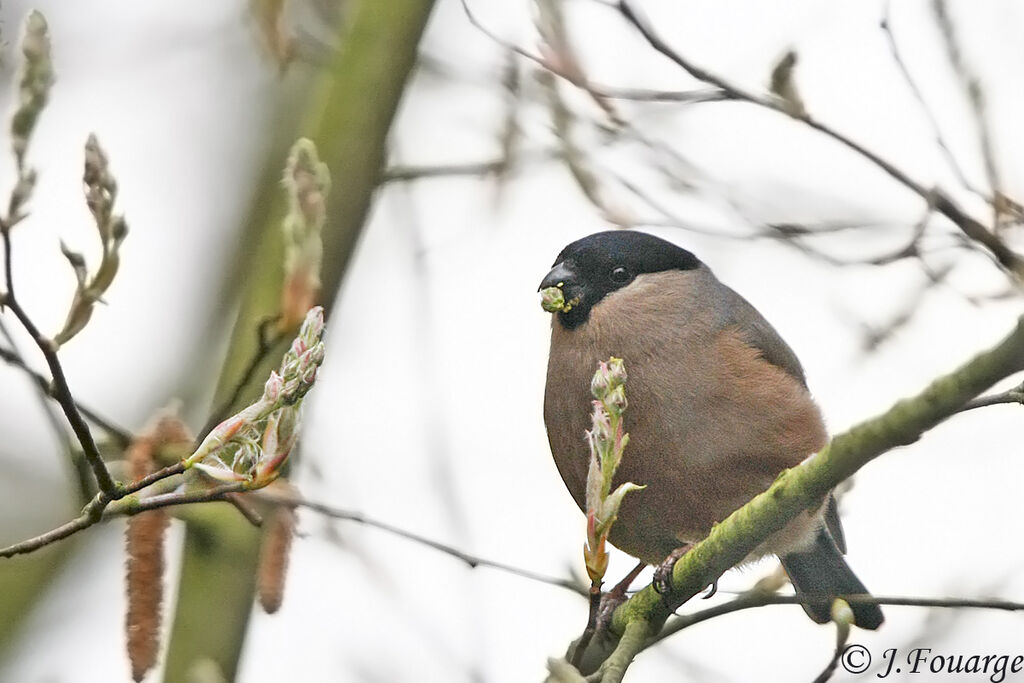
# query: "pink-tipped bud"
{"points": [[313, 326], [601, 426], [274, 387]]}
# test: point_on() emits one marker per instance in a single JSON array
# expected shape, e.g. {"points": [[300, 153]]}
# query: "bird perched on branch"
{"points": [[718, 406]]}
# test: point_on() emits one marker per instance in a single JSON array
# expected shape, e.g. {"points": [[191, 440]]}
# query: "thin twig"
{"points": [[264, 345], [599, 93], [942, 202], [152, 478], [247, 510], [1015, 395], [12, 356], [401, 174], [101, 509], [842, 637], [60, 390], [673, 96], [591, 628], [972, 87], [473, 561], [574, 77], [753, 599], [14, 359], [901, 65]]}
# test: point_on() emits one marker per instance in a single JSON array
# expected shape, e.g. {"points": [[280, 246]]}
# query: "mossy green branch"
{"points": [[632, 642], [806, 485]]}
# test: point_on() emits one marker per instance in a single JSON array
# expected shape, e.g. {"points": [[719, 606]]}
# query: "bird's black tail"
{"points": [[821, 571]]}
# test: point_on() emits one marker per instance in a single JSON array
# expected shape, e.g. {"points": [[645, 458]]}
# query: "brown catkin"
{"points": [[278, 530], [145, 569]]}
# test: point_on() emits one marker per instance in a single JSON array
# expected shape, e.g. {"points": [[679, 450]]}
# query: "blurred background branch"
{"points": [[348, 118]]}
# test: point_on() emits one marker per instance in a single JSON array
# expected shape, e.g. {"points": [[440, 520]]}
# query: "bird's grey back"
{"points": [[758, 332]]}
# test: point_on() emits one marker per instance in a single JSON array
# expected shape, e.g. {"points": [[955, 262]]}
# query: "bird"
{"points": [[718, 407]]}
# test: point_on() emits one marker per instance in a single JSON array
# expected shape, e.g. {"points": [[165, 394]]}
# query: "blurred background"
{"points": [[427, 414]]}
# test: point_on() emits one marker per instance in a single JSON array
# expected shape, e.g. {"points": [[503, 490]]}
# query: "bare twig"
{"points": [[14, 359], [248, 511], [83, 478], [401, 174], [576, 159], [551, 66], [673, 96], [599, 93], [159, 475], [100, 509], [886, 26], [842, 637], [945, 205], [59, 388], [976, 97], [473, 561], [1015, 395], [753, 599], [591, 628]]}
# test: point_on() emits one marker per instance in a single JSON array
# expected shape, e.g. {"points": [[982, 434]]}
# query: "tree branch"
{"points": [[944, 204], [100, 509], [1015, 395], [472, 561], [753, 599], [915, 91]]}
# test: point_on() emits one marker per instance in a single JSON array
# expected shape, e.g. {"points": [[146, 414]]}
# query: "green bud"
{"points": [[552, 300], [616, 371], [842, 613], [601, 382], [616, 401]]}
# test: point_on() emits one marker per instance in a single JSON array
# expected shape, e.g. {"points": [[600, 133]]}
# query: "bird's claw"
{"points": [[663, 572]]}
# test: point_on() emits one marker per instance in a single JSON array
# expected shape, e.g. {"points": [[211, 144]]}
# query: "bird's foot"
{"points": [[611, 600], [663, 572]]}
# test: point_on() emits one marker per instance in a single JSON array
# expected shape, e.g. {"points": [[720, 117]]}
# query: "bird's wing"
{"points": [[759, 333]]}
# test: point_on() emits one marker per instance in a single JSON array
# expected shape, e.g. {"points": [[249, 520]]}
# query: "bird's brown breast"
{"points": [[711, 423]]}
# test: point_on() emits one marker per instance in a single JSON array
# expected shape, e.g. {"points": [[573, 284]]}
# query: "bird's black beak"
{"points": [[559, 276]]}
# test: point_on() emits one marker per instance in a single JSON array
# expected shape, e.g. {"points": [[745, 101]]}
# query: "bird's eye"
{"points": [[620, 274]]}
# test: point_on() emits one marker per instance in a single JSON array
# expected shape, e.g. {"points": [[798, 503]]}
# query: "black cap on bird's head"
{"points": [[589, 269]]}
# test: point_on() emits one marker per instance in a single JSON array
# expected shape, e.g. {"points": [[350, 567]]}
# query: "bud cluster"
{"points": [[307, 183], [100, 195], [607, 442], [33, 94], [252, 445]]}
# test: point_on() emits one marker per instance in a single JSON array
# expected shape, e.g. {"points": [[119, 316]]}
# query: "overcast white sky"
{"points": [[436, 395]]}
